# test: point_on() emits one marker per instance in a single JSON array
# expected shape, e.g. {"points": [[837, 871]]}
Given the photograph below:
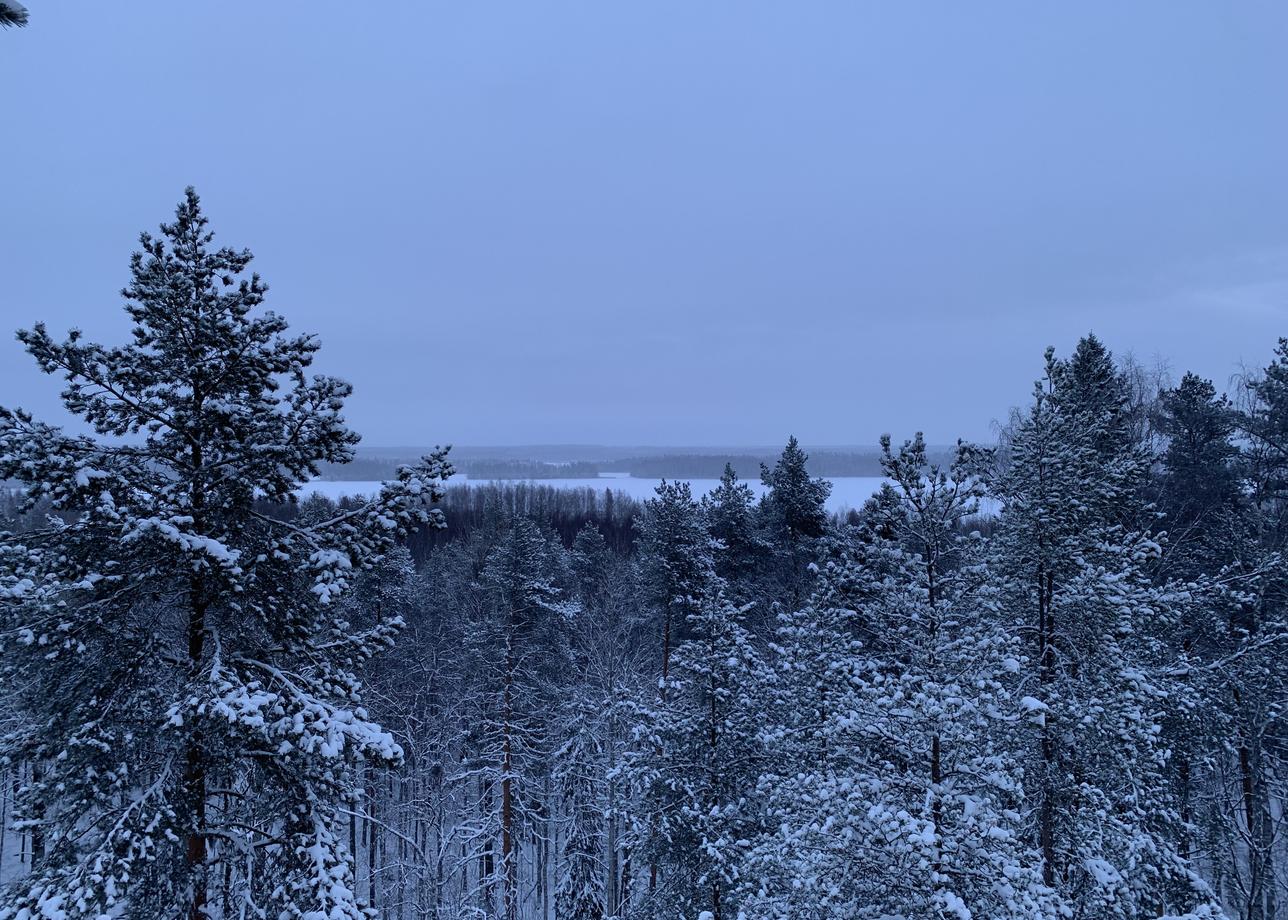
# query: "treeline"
{"points": [[830, 463], [378, 469]]}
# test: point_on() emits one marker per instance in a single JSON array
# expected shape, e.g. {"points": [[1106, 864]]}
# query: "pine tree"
{"points": [[191, 715], [589, 561], [613, 654], [1076, 582], [675, 556], [795, 505], [1089, 384], [804, 861], [1201, 490], [1266, 424], [532, 618], [389, 589], [730, 510], [793, 515], [940, 700], [1260, 685], [898, 782], [696, 765], [581, 892]]}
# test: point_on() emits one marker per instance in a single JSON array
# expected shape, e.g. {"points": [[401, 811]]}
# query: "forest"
{"points": [[1038, 678]]}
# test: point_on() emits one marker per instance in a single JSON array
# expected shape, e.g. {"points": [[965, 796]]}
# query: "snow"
{"points": [[85, 476], [955, 905], [1035, 708], [1103, 872], [189, 542]]}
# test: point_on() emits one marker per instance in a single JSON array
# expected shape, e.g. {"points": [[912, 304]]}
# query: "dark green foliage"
{"points": [[731, 518], [795, 506], [1200, 481]]}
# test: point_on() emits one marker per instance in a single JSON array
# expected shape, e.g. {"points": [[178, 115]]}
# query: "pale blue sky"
{"points": [[668, 222]]}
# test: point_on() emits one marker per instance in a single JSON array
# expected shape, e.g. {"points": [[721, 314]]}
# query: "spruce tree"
{"points": [[1088, 383], [185, 674], [589, 562], [804, 861]]}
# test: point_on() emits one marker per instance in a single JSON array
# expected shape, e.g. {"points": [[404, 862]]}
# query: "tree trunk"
{"points": [[1046, 812], [487, 862], [373, 857], [508, 861], [1183, 781], [195, 764], [626, 878], [194, 756]]}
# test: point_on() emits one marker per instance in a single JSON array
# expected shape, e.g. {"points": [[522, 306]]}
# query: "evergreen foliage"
{"points": [[191, 710], [1041, 681]]}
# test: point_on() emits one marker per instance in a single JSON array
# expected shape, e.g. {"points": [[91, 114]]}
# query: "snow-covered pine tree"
{"points": [[581, 889], [1200, 485], [937, 705], [1261, 692], [698, 755], [1209, 554], [904, 799], [804, 861], [793, 513], [730, 510], [795, 503], [191, 718], [391, 588], [1266, 424], [1074, 579], [676, 561], [589, 560], [529, 641], [614, 660], [1088, 382]]}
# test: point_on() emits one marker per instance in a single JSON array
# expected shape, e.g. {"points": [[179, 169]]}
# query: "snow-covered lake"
{"points": [[847, 491]]}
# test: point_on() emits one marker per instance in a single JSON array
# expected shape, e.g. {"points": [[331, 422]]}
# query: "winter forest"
{"points": [[1046, 680]]}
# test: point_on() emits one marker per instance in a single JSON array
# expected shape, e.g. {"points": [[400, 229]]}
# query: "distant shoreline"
{"points": [[580, 462]]}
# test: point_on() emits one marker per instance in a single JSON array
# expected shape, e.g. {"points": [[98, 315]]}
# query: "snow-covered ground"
{"points": [[847, 491]]}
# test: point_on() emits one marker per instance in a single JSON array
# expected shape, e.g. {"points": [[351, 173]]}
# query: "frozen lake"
{"points": [[847, 491]]}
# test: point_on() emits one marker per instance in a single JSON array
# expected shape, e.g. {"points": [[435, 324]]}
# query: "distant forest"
{"points": [[707, 465]]}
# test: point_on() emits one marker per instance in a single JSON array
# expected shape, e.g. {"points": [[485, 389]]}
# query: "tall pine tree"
{"points": [[186, 677], [1073, 575]]}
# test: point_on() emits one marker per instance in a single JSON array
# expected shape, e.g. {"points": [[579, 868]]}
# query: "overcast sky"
{"points": [[668, 222]]}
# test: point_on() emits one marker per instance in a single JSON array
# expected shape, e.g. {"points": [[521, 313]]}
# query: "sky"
{"points": [[672, 223]]}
